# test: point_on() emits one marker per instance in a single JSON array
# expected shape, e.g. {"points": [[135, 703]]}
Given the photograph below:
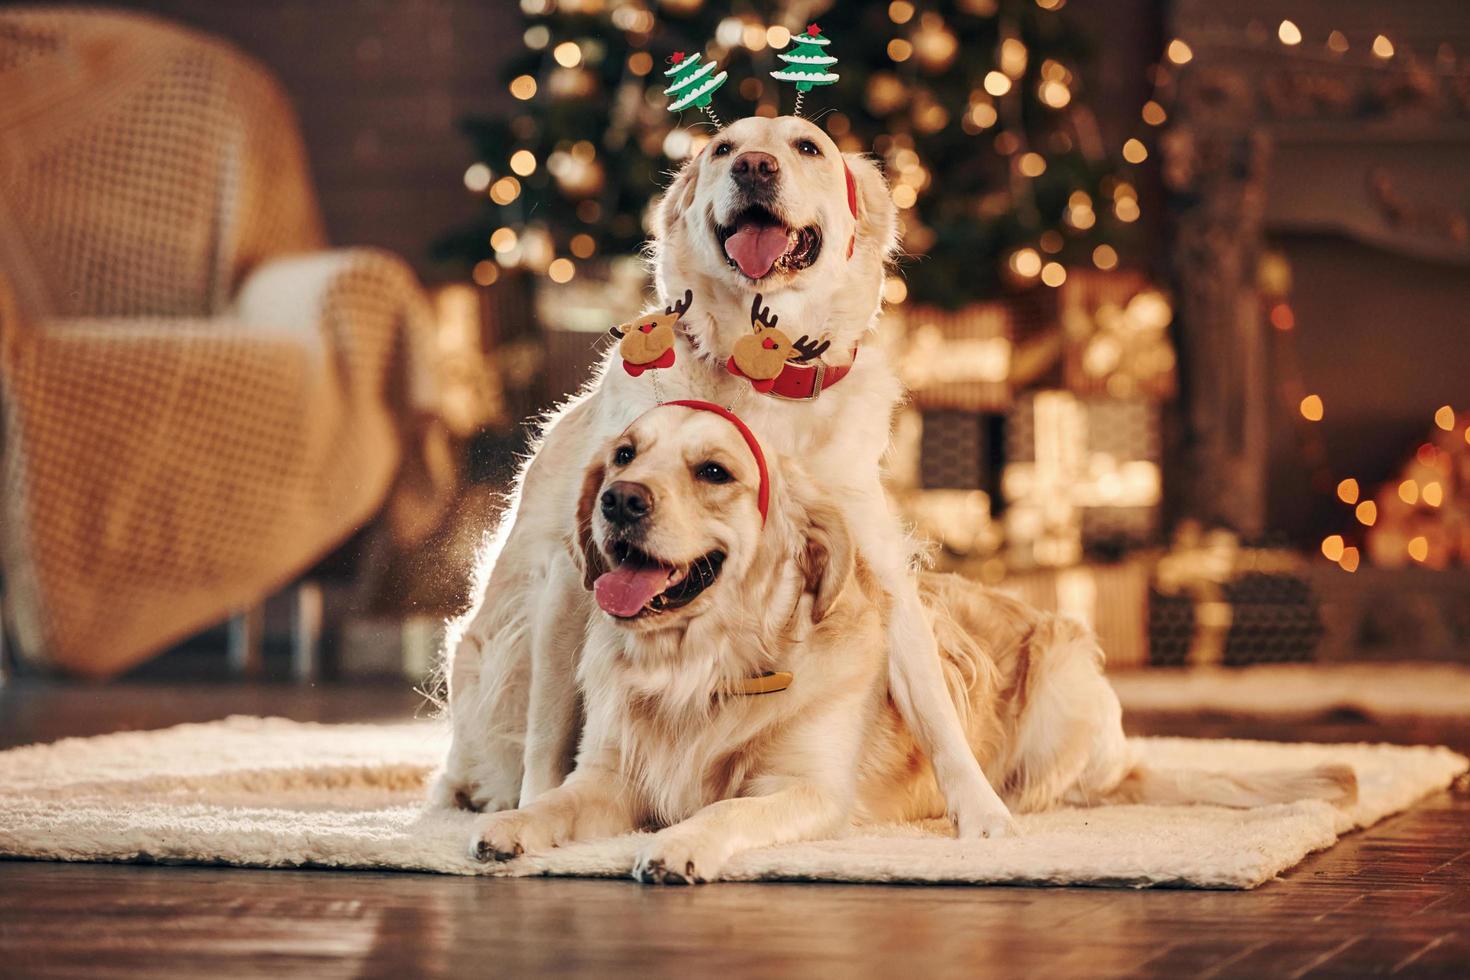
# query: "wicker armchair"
{"points": [[197, 401]]}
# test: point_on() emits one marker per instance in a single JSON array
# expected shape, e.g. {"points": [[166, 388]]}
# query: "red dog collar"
{"points": [[763, 495], [804, 384]]}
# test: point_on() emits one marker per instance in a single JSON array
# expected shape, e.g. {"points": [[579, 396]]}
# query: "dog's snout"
{"points": [[756, 169], [625, 503]]}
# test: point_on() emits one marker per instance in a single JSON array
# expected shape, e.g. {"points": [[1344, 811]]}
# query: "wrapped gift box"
{"points": [[957, 522], [937, 470], [1116, 327], [959, 360], [1112, 599], [1215, 602], [1080, 473], [956, 450]]}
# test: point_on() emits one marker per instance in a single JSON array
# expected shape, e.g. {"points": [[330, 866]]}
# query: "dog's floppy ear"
{"points": [[677, 199], [827, 558], [586, 553], [877, 216]]}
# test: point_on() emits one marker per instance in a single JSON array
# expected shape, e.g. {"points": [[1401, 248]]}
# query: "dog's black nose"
{"points": [[755, 169], [625, 503]]}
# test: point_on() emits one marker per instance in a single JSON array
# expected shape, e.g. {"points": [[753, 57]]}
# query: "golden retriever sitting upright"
{"points": [[770, 224], [736, 683]]}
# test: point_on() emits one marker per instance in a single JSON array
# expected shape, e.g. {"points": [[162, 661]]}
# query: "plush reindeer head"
{"points": [[648, 342], [762, 354]]}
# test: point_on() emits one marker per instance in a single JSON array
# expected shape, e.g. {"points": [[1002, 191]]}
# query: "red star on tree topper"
{"points": [[676, 58], [813, 30]]}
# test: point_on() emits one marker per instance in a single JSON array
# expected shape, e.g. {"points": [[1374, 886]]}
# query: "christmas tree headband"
{"points": [[695, 81]]}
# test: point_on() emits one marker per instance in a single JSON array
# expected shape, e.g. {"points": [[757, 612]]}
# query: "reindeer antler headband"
{"points": [[694, 82]]}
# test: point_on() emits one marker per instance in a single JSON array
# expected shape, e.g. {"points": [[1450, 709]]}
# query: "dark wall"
{"points": [[378, 86]]}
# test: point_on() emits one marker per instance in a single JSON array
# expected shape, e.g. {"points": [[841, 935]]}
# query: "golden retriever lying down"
{"points": [[706, 600]]}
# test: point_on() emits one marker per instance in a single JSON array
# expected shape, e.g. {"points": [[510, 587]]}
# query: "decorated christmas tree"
{"points": [[978, 110], [808, 63]]}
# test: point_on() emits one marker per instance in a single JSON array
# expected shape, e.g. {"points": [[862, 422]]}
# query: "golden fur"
{"points": [[669, 744], [512, 695]]}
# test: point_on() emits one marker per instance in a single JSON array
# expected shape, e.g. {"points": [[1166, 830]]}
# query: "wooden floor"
{"points": [[1392, 900]]}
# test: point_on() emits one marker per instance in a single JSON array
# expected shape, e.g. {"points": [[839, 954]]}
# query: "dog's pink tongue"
{"points": [[626, 589], [756, 247]]}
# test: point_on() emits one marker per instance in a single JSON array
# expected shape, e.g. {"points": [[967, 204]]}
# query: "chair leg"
{"points": [[7, 666], [247, 643], [306, 632], [6, 673]]}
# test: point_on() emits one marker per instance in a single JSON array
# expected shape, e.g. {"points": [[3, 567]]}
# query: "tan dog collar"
{"points": [[770, 682]]}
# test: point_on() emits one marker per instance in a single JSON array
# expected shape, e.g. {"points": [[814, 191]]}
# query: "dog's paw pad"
{"points": [[501, 837], [676, 858], [656, 871], [486, 851], [649, 871]]}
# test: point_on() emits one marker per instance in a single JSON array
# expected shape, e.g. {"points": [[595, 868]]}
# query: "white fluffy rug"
{"points": [[274, 793], [1301, 691]]}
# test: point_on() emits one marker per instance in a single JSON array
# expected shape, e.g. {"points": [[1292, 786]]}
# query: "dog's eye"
{"points": [[722, 150], [808, 148], [624, 455], [713, 473]]}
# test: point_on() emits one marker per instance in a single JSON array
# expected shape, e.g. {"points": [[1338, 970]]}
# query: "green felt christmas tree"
{"points": [[694, 82], [807, 63]]}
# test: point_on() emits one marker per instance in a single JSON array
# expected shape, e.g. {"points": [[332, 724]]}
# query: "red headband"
{"points": [[851, 204], [763, 495]]}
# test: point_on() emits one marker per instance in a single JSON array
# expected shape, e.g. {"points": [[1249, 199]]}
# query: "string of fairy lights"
{"points": [[995, 103], [1409, 492]]}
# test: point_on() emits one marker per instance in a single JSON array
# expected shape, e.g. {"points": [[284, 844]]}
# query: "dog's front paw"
{"points": [[676, 857], [984, 818], [507, 835]]}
